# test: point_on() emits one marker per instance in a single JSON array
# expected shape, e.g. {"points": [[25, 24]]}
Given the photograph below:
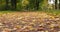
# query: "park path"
{"points": [[29, 22]]}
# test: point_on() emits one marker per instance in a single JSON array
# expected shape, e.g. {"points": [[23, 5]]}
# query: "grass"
{"points": [[47, 11], [57, 12]]}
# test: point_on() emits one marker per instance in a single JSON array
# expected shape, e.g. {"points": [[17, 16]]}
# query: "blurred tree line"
{"points": [[28, 4]]}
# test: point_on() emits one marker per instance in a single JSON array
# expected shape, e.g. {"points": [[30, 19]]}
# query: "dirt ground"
{"points": [[29, 22]]}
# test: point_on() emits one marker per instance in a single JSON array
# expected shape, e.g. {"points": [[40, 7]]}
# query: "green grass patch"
{"points": [[47, 11], [53, 11]]}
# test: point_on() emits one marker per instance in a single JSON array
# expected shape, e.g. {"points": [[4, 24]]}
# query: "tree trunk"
{"points": [[13, 4], [7, 2], [59, 4], [55, 4], [36, 4]]}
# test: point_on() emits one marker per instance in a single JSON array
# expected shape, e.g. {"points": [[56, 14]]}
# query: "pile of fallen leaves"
{"points": [[29, 22]]}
